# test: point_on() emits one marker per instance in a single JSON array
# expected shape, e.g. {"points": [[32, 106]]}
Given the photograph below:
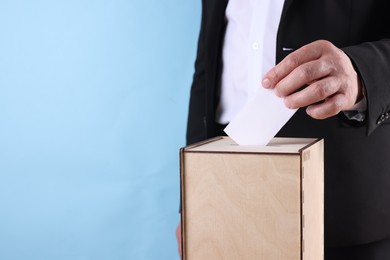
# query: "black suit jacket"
{"points": [[357, 156]]}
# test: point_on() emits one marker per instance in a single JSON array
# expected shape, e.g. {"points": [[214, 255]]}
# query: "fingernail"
{"points": [[308, 111], [287, 104], [266, 83], [276, 91]]}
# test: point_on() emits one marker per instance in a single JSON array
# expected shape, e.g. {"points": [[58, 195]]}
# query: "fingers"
{"points": [[302, 75], [313, 93], [301, 56], [330, 107], [324, 90]]}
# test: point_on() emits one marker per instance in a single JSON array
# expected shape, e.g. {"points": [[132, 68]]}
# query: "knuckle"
{"points": [[306, 72], [330, 65], [275, 73], [292, 61], [321, 90], [325, 45], [336, 106]]}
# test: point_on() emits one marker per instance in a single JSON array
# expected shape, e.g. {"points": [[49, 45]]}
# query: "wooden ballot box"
{"points": [[253, 202]]}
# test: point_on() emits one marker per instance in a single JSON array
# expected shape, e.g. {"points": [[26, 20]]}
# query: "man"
{"points": [[328, 84]]}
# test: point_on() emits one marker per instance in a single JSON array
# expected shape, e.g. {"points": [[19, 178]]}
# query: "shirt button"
{"points": [[255, 46]]}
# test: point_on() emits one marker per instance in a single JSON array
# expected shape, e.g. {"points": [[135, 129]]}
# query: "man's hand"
{"points": [[326, 70], [178, 237]]}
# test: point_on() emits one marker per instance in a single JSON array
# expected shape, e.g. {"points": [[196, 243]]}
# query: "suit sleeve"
{"points": [[372, 60]]}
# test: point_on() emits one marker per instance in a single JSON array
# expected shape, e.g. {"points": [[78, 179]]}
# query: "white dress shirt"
{"points": [[249, 51]]}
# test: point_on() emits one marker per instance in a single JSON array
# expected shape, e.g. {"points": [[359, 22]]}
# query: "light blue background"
{"points": [[93, 106]]}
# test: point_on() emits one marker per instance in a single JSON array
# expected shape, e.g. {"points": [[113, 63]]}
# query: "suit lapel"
{"points": [[286, 5], [281, 31]]}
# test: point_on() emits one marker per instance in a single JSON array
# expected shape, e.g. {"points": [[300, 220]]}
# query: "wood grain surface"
{"points": [[242, 206]]}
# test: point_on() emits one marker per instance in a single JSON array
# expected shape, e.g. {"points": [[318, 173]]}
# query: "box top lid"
{"points": [[277, 145]]}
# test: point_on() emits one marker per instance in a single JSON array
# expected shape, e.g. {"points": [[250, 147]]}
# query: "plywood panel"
{"points": [[241, 206], [313, 201]]}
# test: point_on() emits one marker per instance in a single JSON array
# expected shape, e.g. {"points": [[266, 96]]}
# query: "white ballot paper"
{"points": [[260, 119]]}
